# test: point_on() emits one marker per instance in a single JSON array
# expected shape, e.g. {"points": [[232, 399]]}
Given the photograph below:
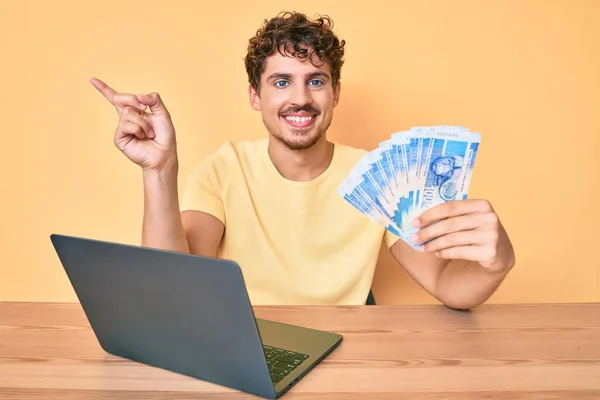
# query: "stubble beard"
{"points": [[306, 140]]}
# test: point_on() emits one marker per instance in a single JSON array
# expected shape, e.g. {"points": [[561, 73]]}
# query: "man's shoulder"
{"points": [[226, 161], [347, 154], [233, 151], [236, 146], [348, 149]]}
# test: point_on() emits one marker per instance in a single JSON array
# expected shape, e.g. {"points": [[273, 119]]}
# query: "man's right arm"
{"points": [[148, 140], [164, 227]]}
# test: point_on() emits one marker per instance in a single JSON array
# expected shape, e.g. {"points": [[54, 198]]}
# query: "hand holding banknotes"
{"points": [[416, 185], [465, 229]]}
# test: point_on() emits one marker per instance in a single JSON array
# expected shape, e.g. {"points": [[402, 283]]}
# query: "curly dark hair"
{"points": [[286, 33]]}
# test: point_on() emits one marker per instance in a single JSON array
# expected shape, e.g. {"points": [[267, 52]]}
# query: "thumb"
{"points": [[155, 103]]}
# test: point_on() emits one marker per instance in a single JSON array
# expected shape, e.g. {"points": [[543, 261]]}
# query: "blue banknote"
{"points": [[412, 171], [360, 194], [449, 167]]}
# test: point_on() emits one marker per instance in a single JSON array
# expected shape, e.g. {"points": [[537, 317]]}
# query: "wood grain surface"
{"points": [[548, 351]]}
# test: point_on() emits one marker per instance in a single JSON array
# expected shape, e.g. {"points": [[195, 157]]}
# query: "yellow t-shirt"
{"points": [[296, 242]]}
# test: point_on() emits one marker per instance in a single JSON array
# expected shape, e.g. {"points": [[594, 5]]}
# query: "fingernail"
{"points": [[150, 134], [416, 223], [415, 238], [142, 106]]}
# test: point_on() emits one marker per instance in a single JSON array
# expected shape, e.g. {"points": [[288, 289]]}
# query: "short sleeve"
{"points": [[389, 238], [203, 187]]}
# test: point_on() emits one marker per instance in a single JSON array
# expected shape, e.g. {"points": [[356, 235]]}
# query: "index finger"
{"points": [[103, 88]]}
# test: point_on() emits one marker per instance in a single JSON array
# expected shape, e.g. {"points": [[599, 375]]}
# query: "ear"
{"points": [[254, 98], [336, 93]]}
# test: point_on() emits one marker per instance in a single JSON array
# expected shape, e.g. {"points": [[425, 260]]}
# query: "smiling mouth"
{"points": [[302, 120]]}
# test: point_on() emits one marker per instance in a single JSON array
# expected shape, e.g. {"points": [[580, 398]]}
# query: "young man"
{"points": [[271, 205]]}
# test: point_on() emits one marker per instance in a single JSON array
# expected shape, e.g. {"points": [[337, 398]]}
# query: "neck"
{"points": [[301, 165]]}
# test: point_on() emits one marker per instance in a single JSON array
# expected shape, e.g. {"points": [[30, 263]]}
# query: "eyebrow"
{"points": [[280, 75]]}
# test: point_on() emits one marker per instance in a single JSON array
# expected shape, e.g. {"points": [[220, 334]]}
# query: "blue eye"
{"points": [[317, 82], [280, 84]]}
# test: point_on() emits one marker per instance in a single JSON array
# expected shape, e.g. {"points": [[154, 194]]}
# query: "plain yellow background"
{"points": [[526, 74]]}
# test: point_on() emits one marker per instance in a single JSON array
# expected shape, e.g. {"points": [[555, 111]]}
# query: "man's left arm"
{"points": [[465, 253]]}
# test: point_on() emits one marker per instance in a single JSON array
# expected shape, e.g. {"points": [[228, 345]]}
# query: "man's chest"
{"points": [[294, 215]]}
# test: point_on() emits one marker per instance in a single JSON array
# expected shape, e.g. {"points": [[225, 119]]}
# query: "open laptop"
{"points": [[187, 314]]}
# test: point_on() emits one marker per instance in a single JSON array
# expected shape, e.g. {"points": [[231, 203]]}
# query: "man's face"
{"points": [[296, 100]]}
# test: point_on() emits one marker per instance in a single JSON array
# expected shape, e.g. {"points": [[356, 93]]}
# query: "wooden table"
{"points": [[48, 351]]}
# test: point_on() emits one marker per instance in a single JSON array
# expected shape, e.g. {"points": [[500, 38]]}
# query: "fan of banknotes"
{"points": [[412, 171]]}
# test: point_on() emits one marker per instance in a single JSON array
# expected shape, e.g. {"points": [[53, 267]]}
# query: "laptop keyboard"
{"points": [[281, 362]]}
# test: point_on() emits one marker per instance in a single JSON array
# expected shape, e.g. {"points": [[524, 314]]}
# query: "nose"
{"points": [[301, 95]]}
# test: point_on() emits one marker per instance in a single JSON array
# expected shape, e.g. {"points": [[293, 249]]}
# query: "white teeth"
{"points": [[298, 119]]}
